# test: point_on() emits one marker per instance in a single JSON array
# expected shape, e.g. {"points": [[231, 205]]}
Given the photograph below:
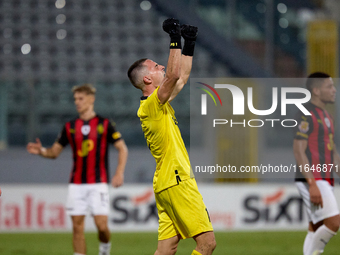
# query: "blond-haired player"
{"points": [[89, 136]]}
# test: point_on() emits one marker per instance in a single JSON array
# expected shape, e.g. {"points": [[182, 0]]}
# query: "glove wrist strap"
{"points": [[188, 48], [175, 42]]}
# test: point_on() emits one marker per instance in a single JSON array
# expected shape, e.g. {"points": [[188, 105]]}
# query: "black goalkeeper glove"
{"points": [[173, 28], [189, 33]]}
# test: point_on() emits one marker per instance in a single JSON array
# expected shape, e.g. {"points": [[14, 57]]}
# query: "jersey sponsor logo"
{"points": [[327, 122], [100, 129], [304, 126], [330, 145], [85, 130], [86, 146], [72, 131]]}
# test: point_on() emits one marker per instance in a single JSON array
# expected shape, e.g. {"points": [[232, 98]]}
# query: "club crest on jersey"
{"points": [[85, 130], [304, 126], [327, 122]]}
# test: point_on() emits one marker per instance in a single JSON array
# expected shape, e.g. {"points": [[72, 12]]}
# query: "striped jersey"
{"points": [[89, 141], [318, 130], [165, 142]]}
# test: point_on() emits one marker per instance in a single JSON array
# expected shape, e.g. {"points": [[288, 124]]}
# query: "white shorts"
{"points": [[330, 206], [84, 198]]}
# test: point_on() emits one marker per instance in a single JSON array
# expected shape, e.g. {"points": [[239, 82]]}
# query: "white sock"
{"points": [[104, 248], [78, 253], [320, 238], [308, 242]]}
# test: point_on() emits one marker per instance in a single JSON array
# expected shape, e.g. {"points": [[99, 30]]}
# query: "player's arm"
{"points": [[37, 149], [189, 33], [336, 157], [299, 148], [118, 178], [185, 72], [173, 70]]}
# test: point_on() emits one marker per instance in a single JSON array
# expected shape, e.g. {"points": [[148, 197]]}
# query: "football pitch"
{"points": [[234, 243]]}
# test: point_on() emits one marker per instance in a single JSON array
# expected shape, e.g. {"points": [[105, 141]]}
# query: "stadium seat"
{"points": [[103, 38]]}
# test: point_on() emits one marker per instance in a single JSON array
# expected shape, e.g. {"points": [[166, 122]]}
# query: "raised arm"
{"points": [[173, 70], [189, 33], [299, 148], [37, 149], [185, 72], [118, 178]]}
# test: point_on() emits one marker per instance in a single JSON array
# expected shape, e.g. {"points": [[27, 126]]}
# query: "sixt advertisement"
{"points": [[133, 208]]}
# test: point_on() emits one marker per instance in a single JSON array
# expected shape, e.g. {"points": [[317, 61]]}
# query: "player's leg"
{"points": [[76, 207], [79, 245], [168, 236], [99, 206], [167, 246], [205, 243], [101, 222], [102, 227], [328, 215], [190, 216], [304, 193], [308, 239], [323, 234], [333, 223]]}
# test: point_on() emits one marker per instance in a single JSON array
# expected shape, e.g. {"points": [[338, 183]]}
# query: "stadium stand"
{"points": [[49, 46]]}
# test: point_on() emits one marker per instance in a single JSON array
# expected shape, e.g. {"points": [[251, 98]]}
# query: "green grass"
{"points": [[234, 243]]}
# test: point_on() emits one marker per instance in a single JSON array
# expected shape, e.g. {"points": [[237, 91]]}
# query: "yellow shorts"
{"points": [[181, 210]]}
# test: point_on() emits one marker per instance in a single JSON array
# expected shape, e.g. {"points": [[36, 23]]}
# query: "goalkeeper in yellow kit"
{"points": [[181, 210]]}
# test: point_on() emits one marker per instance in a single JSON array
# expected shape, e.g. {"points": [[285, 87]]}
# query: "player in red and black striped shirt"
{"points": [[318, 130], [316, 156], [89, 141], [89, 136]]}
